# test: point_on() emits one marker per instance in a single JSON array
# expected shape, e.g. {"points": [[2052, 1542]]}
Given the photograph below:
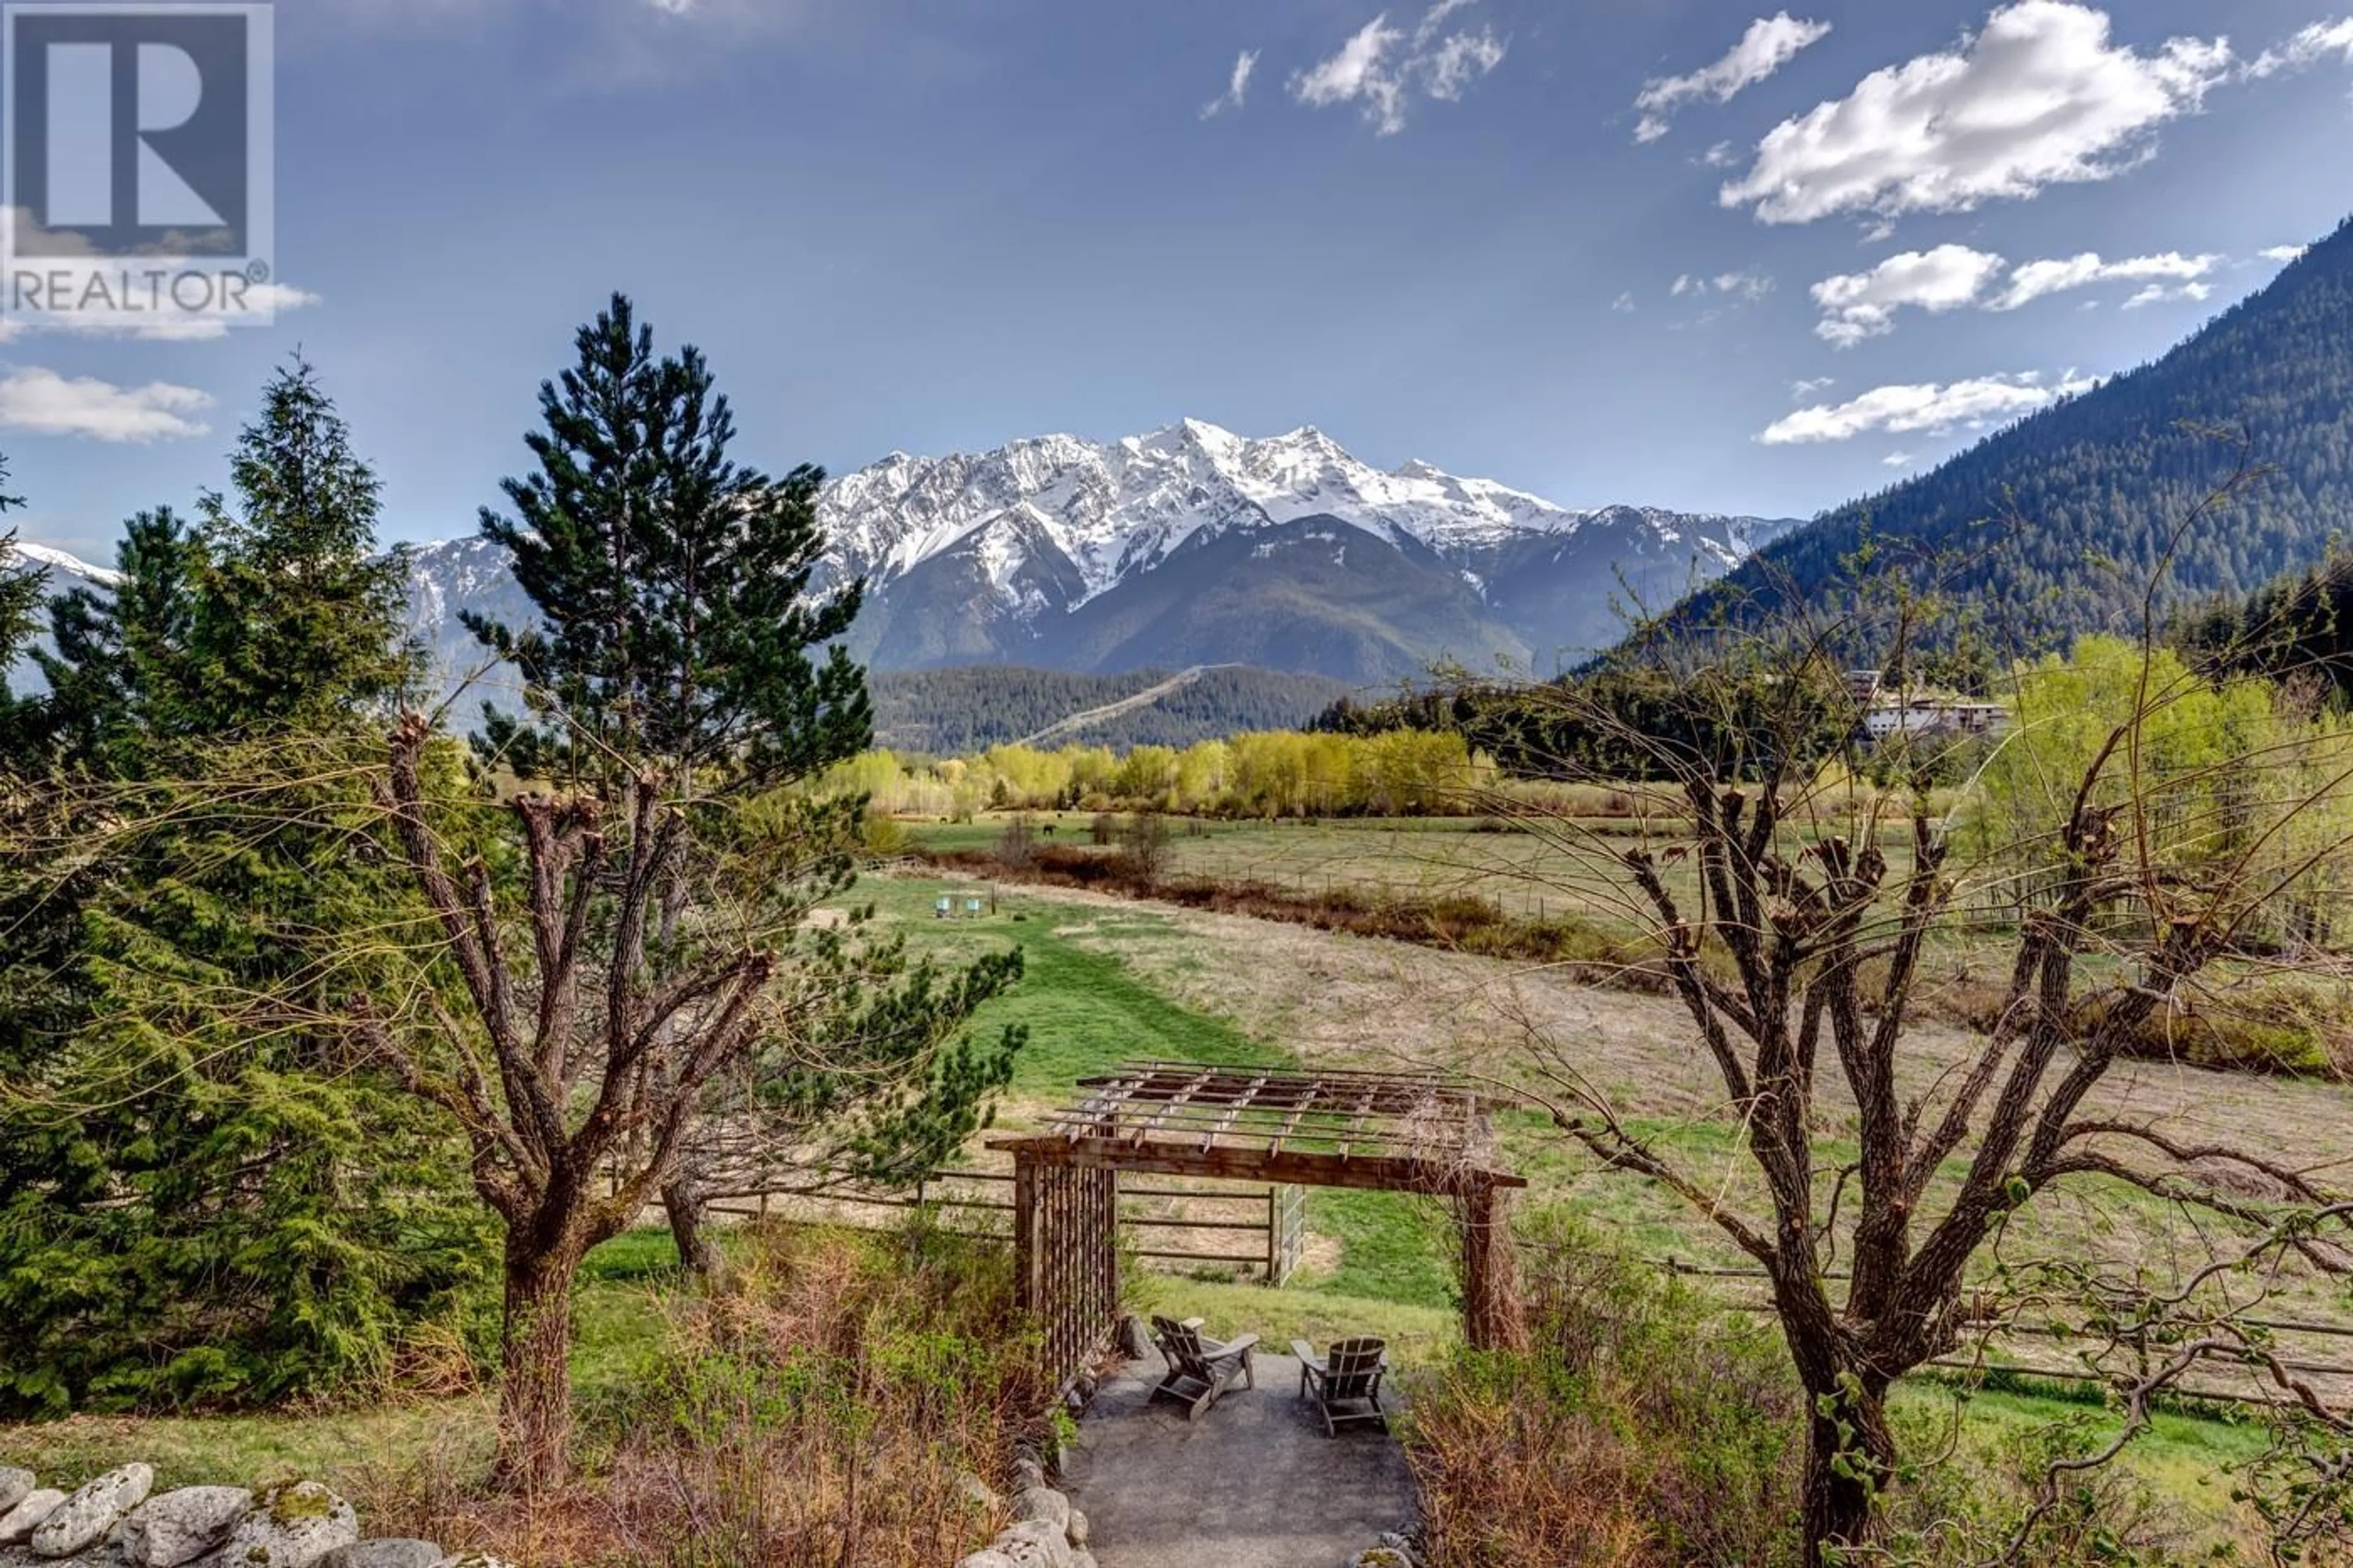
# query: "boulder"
{"points": [[1075, 1532], [1042, 1502], [1027, 1472], [1083, 1559], [17, 1524], [1034, 1543], [1380, 1557], [991, 1558], [16, 1486], [473, 1560], [181, 1526], [83, 1519], [290, 1527], [976, 1491], [387, 1553]]}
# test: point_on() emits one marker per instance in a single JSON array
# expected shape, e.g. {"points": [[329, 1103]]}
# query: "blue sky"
{"points": [[1451, 232]]}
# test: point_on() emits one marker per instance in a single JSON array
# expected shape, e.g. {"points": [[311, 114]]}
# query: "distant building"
{"points": [[1897, 712], [1928, 715]]}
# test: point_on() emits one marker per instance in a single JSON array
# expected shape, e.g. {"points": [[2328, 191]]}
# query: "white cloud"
{"points": [[1624, 304], [41, 402], [2041, 97], [1722, 155], [1381, 67], [1746, 287], [184, 327], [2283, 254], [1897, 459], [2307, 47], [1237, 86], [1923, 406], [1859, 305], [2158, 294], [1460, 60], [2034, 279], [1769, 44], [1801, 390]]}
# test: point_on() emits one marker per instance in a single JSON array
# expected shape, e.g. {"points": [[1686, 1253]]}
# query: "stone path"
{"points": [[1254, 1483]]}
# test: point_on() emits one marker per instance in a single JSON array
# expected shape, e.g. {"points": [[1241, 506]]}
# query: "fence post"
{"points": [[1273, 1238]]}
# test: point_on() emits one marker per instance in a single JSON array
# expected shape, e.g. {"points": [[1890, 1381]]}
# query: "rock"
{"points": [[978, 1492], [16, 1486], [1131, 1345], [1083, 1560], [1075, 1532], [1034, 1543], [387, 1553], [473, 1560], [1026, 1473], [82, 1521], [290, 1527], [17, 1524], [991, 1558], [1042, 1502], [181, 1526], [1381, 1557]]}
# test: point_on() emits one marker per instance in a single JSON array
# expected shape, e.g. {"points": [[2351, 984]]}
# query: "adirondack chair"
{"points": [[1347, 1385], [1200, 1368]]}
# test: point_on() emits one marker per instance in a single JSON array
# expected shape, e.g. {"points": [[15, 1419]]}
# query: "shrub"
{"points": [[1642, 1425], [823, 1407]]}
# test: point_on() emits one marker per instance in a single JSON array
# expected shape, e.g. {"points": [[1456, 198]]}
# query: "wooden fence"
{"points": [[1261, 1230], [2047, 1353]]}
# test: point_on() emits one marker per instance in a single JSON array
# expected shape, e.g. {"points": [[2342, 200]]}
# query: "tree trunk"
{"points": [[1850, 1455], [683, 1202], [535, 1391]]}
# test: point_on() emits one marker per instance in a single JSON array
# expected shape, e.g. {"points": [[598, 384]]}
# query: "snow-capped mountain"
{"points": [[1192, 545]]}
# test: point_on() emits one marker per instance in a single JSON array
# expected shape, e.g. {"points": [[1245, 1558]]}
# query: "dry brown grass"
{"points": [[823, 1407]]}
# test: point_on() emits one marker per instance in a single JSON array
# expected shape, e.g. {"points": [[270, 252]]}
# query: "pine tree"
{"points": [[672, 584]]}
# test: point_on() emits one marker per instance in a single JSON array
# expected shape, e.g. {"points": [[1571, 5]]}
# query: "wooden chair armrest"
{"points": [[1190, 1322], [1235, 1347], [1303, 1353]]}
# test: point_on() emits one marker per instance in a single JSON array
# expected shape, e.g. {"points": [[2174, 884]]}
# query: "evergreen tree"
{"points": [[200, 1201], [675, 620]]}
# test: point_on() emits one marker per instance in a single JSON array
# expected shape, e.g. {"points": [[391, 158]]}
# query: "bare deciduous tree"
{"points": [[578, 1067], [1793, 909]]}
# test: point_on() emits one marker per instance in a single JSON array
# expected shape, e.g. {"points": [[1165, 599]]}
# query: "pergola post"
{"points": [[1490, 1293]]}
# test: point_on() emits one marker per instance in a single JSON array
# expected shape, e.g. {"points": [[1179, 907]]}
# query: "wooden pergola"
{"points": [[1396, 1131]]}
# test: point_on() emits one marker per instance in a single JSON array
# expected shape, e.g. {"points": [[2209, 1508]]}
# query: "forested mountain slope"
{"points": [[970, 708], [2057, 521]]}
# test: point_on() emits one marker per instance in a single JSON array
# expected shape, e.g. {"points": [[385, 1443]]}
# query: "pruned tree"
{"points": [[1797, 914], [616, 989]]}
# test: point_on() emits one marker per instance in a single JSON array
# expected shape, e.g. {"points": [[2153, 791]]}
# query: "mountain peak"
{"points": [[56, 560]]}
